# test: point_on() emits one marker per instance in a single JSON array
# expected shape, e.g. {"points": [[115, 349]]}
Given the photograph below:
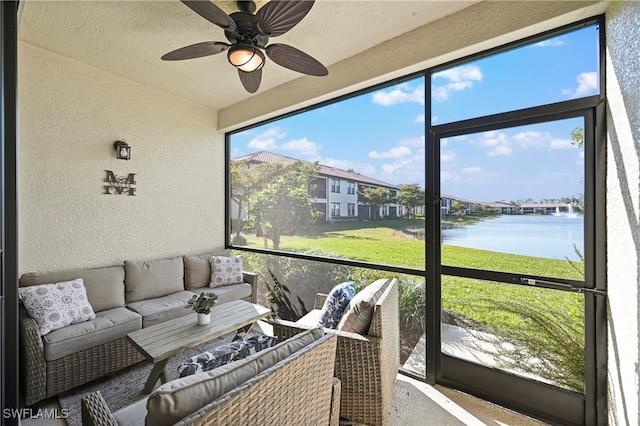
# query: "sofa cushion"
{"points": [[153, 278], [161, 309], [197, 269], [132, 415], [105, 286], [226, 270], [335, 303], [227, 293], [225, 354], [57, 305], [357, 316], [107, 326], [178, 398]]}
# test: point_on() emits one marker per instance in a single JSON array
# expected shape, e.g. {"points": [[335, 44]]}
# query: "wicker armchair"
{"points": [[298, 390], [366, 365]]}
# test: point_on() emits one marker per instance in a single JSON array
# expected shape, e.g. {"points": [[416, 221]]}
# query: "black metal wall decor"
{"points": [[119, 184]]}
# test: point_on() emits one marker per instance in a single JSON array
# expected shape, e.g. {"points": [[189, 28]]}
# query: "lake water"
{"points": [[548, 236]]}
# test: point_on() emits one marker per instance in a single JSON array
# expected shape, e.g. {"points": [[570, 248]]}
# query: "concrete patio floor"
{"points": [[414, 403]]}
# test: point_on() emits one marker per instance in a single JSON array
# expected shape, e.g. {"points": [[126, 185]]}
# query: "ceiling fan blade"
{"points": [[211, 13], [277, 17], [251, 80], [198, 50], [294, 59]]}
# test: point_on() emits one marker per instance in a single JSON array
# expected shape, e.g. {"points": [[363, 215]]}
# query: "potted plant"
{"points": [[202, 304]]}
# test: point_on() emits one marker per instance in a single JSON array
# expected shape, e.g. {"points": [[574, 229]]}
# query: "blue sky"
{"points": [[381, 134]]}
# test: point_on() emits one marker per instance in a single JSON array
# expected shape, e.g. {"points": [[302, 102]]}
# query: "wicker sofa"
{"points": [[291, 383], [124, 298], [367, 363]]}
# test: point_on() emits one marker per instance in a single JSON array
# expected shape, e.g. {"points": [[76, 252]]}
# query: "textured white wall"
{"points": [[69, 116], [623, 210]]}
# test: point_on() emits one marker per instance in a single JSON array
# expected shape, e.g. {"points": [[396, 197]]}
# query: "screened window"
{"points": [[288, 196], [542, 72]]}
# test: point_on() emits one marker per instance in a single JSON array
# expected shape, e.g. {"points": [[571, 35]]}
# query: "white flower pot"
{"points": [[204, 319]]}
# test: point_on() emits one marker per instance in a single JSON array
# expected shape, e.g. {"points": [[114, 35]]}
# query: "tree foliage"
{"points": [[246, 181], [282, 206], [411, 196], [377, 197]]}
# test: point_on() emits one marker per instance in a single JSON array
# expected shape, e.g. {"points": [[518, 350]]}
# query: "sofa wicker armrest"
{"points": [[33, 366], [252, 278], [95, 411]]}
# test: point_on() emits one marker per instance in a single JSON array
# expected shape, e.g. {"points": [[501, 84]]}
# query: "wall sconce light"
{"points": [[123, 150]]}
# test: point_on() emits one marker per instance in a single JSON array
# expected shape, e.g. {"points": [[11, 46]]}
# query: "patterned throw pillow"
{"points": [[54, 306], [334, 305], [225, 354], [226, 270]]}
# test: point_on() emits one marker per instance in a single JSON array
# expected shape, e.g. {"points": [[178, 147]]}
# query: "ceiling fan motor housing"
{"points": [[246, 29]]}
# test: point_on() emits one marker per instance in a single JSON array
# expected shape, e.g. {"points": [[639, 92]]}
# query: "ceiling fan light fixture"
{"points": [[245, 57]]}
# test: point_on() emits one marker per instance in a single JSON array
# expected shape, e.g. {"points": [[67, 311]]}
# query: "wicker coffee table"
{"points": [[161, 341]]}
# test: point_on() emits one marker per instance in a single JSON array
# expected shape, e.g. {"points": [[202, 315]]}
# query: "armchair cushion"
{"points": [[225, 354], [357, 316], [336, 302]]}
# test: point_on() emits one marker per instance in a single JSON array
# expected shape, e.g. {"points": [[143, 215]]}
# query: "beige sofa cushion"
{"points": [[197, 269], [161, 309], [228, 293], [149, 279], [177, 399], [105, 286], [107, 326], [356, 318]]}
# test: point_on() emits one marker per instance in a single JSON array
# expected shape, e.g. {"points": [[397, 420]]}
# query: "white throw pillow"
{"points": [[226, 270], [54, 306]]}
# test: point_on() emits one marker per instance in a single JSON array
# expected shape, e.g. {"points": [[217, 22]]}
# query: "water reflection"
{"points": [[550, 236]]}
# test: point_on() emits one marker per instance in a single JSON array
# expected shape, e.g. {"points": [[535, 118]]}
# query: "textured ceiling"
{"points": [[127, 38]]}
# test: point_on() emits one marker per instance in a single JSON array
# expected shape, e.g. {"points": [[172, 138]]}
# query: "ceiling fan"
{"points": [[248, 35]]}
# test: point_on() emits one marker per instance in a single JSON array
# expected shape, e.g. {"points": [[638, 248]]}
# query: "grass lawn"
{"points": [[386, 242]]}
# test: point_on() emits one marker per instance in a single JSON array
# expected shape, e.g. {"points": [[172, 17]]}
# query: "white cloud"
{"points": [[359, 167], [553, 42], [587, 84], [447, 156], [419, 119], [500, 150], [561, 144], [447, 177], [396, 152], [498, 143], [417, 141], [402, 94], [267, 139], [391, 168], [459, 78], [272, 140], [302, 147], [530, 139], [472, 169]]}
